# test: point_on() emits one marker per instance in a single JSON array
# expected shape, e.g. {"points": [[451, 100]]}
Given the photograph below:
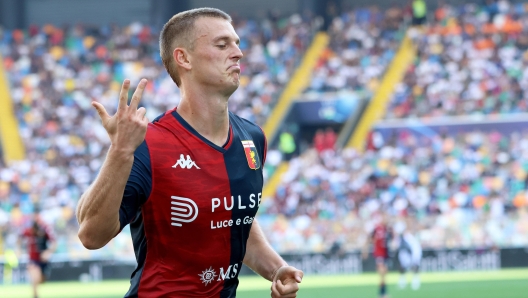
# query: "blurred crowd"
{"points": [[458, 190], [54, 73], [362, 44], [463, 190], [471, 59]]}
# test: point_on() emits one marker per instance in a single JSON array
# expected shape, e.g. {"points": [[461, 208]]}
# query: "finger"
{"points": [[285, 289], [123, 95], [145, 120], [299, 276], [137, 94], [141, 112], [275, 293], [101, 111]]}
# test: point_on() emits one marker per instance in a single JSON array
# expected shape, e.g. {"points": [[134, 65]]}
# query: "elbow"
{"points": [[89, 240]]}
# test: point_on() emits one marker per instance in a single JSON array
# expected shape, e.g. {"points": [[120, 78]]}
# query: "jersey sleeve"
{"points": [[49, 234], [26, 233], [265, 147], [265, 142], [138, 187]]}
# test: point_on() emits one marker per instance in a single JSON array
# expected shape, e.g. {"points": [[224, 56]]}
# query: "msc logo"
{"points": [[209, 275], [185, 163], [182, 210]]}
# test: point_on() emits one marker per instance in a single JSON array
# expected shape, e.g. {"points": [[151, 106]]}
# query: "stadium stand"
{"points": [[462, 189], [467, 63]]}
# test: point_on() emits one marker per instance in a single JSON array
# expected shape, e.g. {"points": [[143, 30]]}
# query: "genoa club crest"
{"points": [[251, 154]]}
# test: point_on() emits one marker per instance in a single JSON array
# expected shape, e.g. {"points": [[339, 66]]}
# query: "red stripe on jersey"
{"points": [[381, 237], [186, 250]]}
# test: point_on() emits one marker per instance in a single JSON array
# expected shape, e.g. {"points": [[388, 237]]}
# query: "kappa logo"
{"points": [[182, 210], [185, 163]]}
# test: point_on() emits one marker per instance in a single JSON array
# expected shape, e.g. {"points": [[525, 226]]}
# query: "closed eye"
{"points": [[221, 46]]}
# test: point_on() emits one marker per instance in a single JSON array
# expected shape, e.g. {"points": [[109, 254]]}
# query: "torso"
{"points": [[381, 237], [198, 216]]}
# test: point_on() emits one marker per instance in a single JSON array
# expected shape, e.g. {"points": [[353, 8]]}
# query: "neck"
{"points": [[206, 112]]}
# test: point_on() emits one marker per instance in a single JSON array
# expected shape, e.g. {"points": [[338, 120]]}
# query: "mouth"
{"points": [[234, 67]]}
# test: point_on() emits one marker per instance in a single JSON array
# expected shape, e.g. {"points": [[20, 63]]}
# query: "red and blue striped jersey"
{"points": [[190, 205]]}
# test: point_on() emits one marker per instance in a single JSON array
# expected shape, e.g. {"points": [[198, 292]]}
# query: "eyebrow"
{"points": [[225, 38]]}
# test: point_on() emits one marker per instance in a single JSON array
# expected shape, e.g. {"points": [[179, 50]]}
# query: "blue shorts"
{"points": [[382, 260], [42, 265]]}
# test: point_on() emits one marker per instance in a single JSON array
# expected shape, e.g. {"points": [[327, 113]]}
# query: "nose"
{"points": [[237, 54]]}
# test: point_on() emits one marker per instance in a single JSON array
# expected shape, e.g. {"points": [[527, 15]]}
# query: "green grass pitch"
{"points": [[488, 284]]}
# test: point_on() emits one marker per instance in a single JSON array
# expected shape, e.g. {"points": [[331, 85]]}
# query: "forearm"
{"points": [[52, 247], [260, 256], [98, 208]]}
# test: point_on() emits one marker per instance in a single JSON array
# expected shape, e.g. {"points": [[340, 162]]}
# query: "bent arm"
{"points": [[366, 247], [260, 256], [46, 254], [98, 208]]}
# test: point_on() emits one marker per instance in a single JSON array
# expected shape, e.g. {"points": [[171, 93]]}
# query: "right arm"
{"points": [[98, 209], [366, 246]]}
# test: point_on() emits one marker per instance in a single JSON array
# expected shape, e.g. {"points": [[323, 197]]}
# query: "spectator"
{"points": [[287, 145], [419, 12]]}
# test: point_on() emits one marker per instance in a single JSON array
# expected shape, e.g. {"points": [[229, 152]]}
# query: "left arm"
{"points": [[260, 256], [52, 246], [262, 259], [46, 255]]}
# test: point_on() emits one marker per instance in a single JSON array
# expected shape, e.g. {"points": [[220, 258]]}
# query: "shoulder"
{"points": [[166, 116], [26, 232], [252, 128], [46, 228], [159, 127]]}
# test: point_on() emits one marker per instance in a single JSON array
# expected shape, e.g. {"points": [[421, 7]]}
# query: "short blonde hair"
{"points": [[178, 32]]}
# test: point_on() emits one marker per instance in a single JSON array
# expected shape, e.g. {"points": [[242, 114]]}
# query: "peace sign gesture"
{"points": [[128, 127]]}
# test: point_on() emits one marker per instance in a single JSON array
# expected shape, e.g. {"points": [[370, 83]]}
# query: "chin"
{"points": [[228, 90]]}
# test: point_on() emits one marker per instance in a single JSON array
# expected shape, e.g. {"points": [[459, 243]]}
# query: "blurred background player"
{"points": [[380, 238], [409, 256], [40, 246]]}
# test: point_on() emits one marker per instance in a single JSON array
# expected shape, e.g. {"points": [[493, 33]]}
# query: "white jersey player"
{"points": [[409, 256]]}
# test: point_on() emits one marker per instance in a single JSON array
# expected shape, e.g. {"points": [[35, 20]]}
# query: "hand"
{"points": [[364, 254], [45, 256], [286, 282], [128, 127]]}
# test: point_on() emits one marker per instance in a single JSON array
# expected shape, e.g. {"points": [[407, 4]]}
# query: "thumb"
{"points": [[299, 276], [101, 111]]}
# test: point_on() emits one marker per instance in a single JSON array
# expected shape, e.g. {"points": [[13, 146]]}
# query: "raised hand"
{"points": [[128, 127], [286, 282]]}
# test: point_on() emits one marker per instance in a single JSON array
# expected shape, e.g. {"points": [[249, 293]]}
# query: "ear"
{"points": [[181, 58]]}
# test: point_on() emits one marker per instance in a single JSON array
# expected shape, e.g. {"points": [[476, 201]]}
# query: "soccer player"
{"points": [[380, 238], [189, 183], [40, 247], [410, 256]]}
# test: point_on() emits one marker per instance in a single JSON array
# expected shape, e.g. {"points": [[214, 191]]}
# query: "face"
{"points": [[215, 57]]}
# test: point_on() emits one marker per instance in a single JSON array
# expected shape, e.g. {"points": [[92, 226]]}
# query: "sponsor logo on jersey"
{"points": [[209, 275], [185, 163], [183, 210], [251, 154]]}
